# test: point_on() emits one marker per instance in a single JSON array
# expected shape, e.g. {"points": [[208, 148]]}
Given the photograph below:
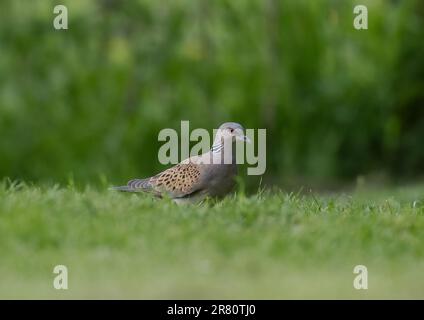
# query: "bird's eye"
{"points": [[231, 130]]}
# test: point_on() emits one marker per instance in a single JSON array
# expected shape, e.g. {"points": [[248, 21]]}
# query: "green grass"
{"points": [[272, 245]]}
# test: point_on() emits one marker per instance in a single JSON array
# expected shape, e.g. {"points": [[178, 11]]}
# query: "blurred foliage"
{"points": [[90, 101]]}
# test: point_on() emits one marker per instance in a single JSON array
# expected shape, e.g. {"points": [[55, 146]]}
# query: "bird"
{"points": [[210, 175]]}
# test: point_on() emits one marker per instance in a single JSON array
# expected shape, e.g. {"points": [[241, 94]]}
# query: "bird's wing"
{"points": [[176, 182]]}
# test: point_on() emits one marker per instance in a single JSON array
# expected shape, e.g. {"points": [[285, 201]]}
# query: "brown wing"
{"points": [[177, 181]]}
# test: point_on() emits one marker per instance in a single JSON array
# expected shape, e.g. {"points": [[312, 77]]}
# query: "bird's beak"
{"points": [[244, 139]]}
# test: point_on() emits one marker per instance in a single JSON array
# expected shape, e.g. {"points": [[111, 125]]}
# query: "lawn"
{"points": [[270, 245]]}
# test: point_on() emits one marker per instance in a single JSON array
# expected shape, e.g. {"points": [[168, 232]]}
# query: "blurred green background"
{"points": [[88, 102]]}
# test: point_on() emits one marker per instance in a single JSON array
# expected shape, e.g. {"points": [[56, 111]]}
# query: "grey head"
{"points": [[231, 131]]}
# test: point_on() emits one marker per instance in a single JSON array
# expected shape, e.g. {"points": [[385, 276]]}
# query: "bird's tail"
{"points": [[122, 188], [135, 185]]}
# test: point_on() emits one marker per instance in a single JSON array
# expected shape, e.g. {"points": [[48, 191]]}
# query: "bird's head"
{"points": [[231, 131]]}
